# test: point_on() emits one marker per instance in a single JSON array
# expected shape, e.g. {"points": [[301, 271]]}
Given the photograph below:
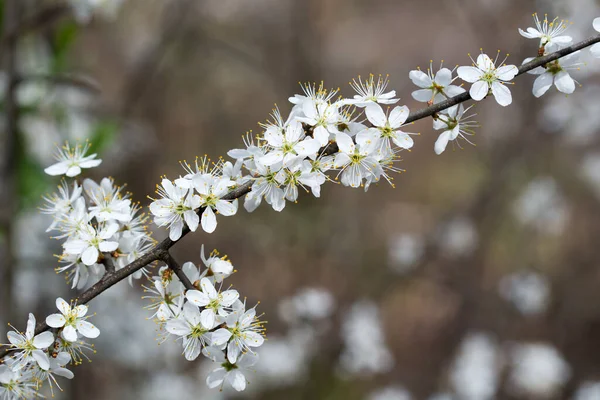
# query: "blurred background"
{"points": [[475, 278]]}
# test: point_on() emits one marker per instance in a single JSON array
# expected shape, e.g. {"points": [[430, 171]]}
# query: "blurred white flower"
{"points": [[365, 352], [542, 206], [529, 292], [309, 304], [588, 390], [404, 251], [590, 170], [458, 237], [474, 374], [390, 393], [538, 369]]}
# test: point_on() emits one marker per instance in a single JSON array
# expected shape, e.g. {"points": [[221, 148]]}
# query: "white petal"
{"points": [[220, 337], [398, 116], [90, 163], [226, 208], [403, 140], [108, 246], [237, 380], [469, 74], [88, 330], [57, 169], [527, 34], [63, 306], [507, 72], [253, 339], [479, 90], [55, 320], [596, 24], [542, 83], [69, 333], [501, 93], [422, 95], [207, 318], [43, 340], [42, 359], [441, 142], [345, 143], [191, 219], [209, 220], [375, 115], [73, 171], [177, 327], [321, 134], [484, 62], [420, 78], [175, 230], [215, 378], [443, 77], [208, 288], [197, 297], [595, 50], [90, 255], [564, 83]]}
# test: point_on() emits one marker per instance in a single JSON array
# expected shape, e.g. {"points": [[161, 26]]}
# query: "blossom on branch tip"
{"points": [[555, 72], [550, 34], [434, 88], [72, 320], [89, 242], [485, 77], [71, 160], [371, 91]]}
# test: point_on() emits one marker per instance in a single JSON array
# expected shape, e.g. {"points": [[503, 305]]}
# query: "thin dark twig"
{"points": [[160, 251], [175, 267]]}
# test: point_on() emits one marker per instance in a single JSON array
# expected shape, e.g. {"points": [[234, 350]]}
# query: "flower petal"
{"points": [[56, 320], [441, 142], [479, 90], [69, 333], [501, 93], [209, 220], [88, 329], [469, 74], [375, 115], [542, 83], [564, 83]]}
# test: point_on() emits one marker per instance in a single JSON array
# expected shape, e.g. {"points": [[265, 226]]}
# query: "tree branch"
{"points": [[175, 267], [160, 251]]}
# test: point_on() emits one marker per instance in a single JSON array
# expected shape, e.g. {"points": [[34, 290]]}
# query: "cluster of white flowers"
{"points": [[98, 222], [356, 141], [38, 358], [207, 319]]}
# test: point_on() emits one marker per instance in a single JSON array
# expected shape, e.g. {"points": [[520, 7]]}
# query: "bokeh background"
{"points": [[475, 278]]}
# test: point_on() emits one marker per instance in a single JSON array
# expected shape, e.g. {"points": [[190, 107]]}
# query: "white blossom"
{"points": [[175, 207], [485, 77], [72, 160], [72, 320], [370, 91], [455, 126], [550, 34], [32, 347], [192, 329], [434, 88], [89, 242], [228, 372], [555, 72], [214, 302]]}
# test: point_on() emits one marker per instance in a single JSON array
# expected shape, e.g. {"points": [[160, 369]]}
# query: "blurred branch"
{"points": [[42, 18], [8, 158], [160, 251], [81, 82]]}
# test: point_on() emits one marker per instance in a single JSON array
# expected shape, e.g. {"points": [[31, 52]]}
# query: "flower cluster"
{"points": [[37, 358], [207, 319], [100, 226]]}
